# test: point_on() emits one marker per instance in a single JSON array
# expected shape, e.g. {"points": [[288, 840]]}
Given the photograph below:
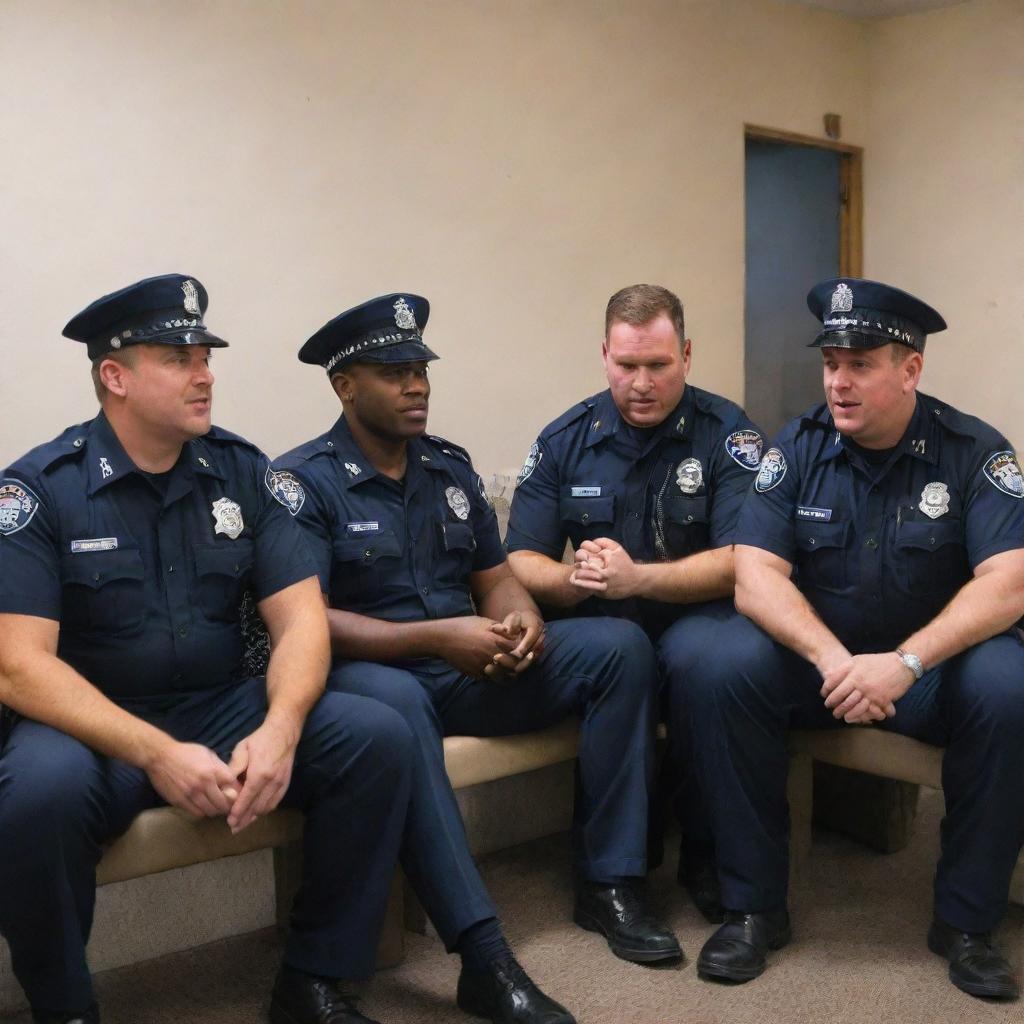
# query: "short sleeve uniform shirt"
{"points": [[880, 547], [144, 573]]}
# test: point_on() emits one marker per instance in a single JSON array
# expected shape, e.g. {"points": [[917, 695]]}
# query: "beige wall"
{"points": [[515, 160], [944, 192]]}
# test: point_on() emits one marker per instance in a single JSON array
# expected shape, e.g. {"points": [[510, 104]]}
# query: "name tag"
{"points": [[586, 492], [820, 515], [96, 544], [363, 527]]}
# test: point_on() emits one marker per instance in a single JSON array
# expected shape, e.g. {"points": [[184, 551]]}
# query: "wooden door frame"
{"points": [[851, 184]]}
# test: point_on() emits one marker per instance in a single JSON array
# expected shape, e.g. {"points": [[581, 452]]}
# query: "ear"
{"points": [[114, 376], [687, 357], [342, 384], [912, 367]]}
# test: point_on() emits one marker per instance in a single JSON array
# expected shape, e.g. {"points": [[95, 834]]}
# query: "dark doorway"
{"points": [[799, 230]]}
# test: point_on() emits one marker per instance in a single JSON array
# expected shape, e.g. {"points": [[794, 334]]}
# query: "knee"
{"points": [[46, 778], [990, 685], [707, 661], [390, 686], [378, 733]]}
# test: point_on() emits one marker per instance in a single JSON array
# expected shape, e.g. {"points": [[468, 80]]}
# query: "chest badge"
{"points": [[689, 476], [744, 447], [934, 500], [227, 518], [457, 501], [1003, 470]]}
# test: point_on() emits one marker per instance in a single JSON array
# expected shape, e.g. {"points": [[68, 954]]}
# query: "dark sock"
{"points": [[482, 943]]}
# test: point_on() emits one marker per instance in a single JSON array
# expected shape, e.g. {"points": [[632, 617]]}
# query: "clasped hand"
{"points": [[482, 647], [865, 687], [605, 568], [251, 784]]}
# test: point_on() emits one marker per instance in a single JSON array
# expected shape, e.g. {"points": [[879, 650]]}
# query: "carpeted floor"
{"points": [[858, 955]]}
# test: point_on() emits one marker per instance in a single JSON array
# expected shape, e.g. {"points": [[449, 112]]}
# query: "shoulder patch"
{"points": [[286, 489], [533, 457], [773, 469], [744, 447], [1003, 472], [18, 504]]}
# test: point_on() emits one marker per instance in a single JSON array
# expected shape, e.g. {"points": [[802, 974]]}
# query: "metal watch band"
{"points": [[912, 661]]}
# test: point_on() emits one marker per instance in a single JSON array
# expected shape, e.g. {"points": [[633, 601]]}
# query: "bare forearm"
{"points": [[299, 662], [367, 639], [705, 576], [506, 596], [546, 580], [42, 687], [770, 599], [982, 608]]}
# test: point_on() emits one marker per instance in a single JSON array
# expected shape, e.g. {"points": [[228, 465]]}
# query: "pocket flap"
{"points": [[224, 560], [588, 510], [927, 536], [97, 568], [367, 548], [814, 536], [685, 509]]}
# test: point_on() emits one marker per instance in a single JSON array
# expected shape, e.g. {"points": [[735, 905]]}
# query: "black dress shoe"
{"points": [[738, 950], [300, 998], [89, 1016], [504, 993], [698, 875], [619, 913], [975, 965]]}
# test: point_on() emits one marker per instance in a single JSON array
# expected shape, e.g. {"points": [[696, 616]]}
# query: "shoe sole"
{"points": [[719, 972], [983, 991], [636, 956]]}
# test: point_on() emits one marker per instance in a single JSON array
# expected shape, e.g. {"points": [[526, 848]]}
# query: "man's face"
{"points": [[168, 390], [388, 400], [868, 394], [646, 369]]}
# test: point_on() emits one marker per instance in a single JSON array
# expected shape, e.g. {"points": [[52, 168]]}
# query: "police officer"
{"points": [[904, 521], [646, 480], [125, 546], [427, 617]]}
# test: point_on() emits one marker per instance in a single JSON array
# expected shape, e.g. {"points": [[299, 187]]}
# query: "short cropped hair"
{"points": [[639, 304]]}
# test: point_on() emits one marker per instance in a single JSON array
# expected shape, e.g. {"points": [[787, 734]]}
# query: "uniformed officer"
{"points": [[646, 480], [904, 522], [426, 616], [125, 547]]}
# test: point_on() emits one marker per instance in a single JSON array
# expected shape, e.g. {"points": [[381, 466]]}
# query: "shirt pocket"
{"points": [[103, 592], [361, 566], [587, 518], [686, 526], [223, 573], [822, 557], [930, 557]]}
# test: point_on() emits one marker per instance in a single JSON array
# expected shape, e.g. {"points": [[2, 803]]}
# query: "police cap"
{"points": [[165, 310], [866, 314], [388, 329]]}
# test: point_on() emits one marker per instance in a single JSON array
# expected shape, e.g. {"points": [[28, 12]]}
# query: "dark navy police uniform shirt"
{"points": [[663, 493], [145, 575], [395, 550], [879, 549]]}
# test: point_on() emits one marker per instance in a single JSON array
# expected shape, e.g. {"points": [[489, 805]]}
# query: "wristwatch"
{"points": [[912, 661]]}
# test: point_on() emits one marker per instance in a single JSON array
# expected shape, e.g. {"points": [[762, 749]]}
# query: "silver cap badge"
{"points": [[191, 298], [404, 316], [842, 299]]}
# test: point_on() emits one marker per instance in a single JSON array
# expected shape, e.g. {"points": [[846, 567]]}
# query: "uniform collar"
{"points": [[607, 420], [108, 462], [919, 441]]}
